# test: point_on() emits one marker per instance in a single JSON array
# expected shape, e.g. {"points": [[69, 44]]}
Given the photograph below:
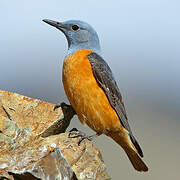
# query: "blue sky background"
{"points": [[140, 41]]}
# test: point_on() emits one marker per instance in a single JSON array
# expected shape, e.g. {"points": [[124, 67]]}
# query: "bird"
{"points": [[91, 88]]}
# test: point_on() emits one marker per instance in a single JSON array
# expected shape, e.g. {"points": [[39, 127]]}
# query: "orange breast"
{"points": [[85, 95]]}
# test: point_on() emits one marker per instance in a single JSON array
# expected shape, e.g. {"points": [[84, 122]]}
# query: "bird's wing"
{"points": [[106, 81]]}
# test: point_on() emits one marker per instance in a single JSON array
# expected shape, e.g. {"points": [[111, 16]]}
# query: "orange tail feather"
{"points": [[130, 150]]}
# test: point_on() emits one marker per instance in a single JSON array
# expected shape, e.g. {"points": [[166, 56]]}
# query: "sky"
{"points": [[140, 40]]}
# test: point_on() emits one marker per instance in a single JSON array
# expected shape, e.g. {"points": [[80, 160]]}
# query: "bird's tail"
{"points": [[132, 152]]}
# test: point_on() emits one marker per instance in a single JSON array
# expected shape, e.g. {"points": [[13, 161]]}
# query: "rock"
{"points": [[33, 145], [34, 114]]}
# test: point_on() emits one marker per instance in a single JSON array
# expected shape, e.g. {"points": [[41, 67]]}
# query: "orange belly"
{"points": [[85, 95]]}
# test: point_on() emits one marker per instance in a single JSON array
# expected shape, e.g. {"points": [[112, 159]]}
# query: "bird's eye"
{"points": [[75, 27]]}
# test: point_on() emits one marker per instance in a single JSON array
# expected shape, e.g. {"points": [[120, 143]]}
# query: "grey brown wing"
{"points": [[105, 79]]}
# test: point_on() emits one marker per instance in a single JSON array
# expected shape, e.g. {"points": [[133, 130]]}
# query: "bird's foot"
{"points": [[57, 106], [74, 133], [64, 106]]}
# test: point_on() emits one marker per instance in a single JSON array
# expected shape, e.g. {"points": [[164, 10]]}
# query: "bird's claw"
{"points": [[64, 106], [74, 133]]}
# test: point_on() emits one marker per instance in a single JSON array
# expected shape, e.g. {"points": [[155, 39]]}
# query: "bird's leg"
{"points": [[74, 133], [64, 106]]}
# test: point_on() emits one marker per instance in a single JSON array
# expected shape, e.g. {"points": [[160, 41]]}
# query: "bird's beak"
{"points": [[54, 23]]}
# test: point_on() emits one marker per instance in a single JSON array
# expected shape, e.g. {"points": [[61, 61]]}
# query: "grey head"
{"points": [[79, 34]]}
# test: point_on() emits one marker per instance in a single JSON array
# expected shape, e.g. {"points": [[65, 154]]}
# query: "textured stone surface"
{"points": [[30, 113], [29, 148]]}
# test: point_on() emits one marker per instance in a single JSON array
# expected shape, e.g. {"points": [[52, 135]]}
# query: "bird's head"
{"points": [[79, 34]]}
